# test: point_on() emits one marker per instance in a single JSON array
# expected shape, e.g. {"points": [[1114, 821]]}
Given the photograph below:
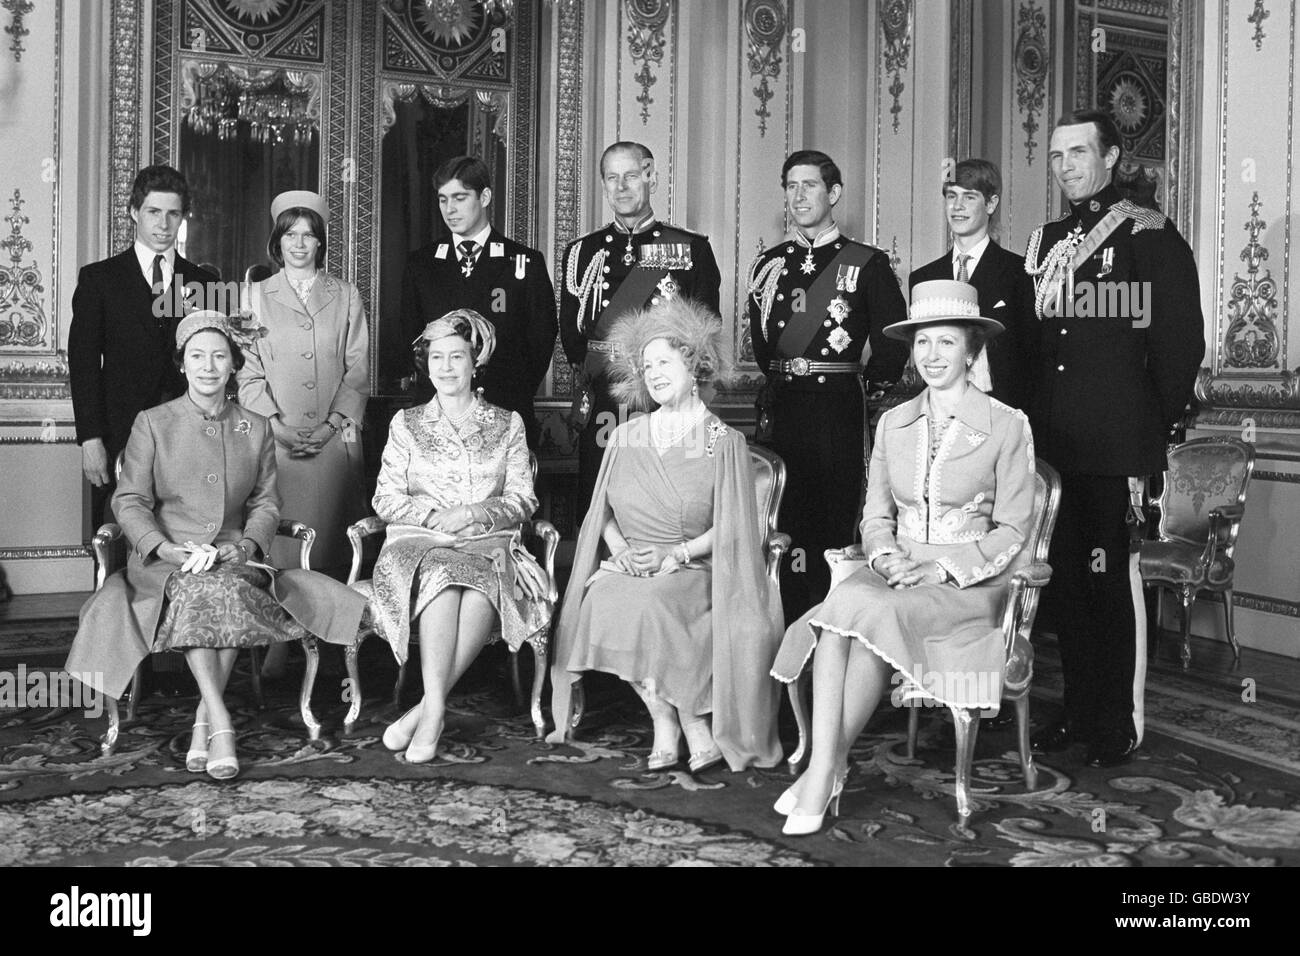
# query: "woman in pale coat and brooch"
{"points": [[950, 502], [309, 374], [455, 486], [197, 502]]}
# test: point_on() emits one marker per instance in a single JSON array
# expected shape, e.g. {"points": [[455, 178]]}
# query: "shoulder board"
{"points": [[669, 231], [1143, 218]]}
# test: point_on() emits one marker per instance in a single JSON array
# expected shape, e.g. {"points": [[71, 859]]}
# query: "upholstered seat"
{"points": [[1201, 507]]}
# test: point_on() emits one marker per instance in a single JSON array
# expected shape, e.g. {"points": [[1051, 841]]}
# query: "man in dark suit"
{"points": [[124, 315], [1121, 338], [632, 263], [1006, 293], [504, 281]]}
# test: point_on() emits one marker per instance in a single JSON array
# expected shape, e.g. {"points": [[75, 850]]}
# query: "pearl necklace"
{"points": [[657, 430], [455, 421]]}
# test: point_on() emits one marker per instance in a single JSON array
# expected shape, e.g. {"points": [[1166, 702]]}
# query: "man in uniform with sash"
{"points": [[504, 281], [815, 302], [1120, 339], [634, 262]]}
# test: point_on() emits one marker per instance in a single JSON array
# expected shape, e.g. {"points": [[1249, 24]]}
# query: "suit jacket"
{"points": [[1006, 293], [1115, 373], [119, 353], [972, 508], [511, 288]]}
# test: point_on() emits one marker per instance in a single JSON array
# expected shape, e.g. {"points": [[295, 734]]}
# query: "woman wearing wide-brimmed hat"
{"points": [[950, 502]]}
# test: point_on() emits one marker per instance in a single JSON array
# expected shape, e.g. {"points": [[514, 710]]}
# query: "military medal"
{"points": [[629, 257], [838, 339], [668, 287], [839, 308], [847, 279], [1107, 261], [521, 266], [808, 267]]}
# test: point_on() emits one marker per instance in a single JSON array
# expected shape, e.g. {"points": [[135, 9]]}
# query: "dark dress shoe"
{"points": [[1051, 739], [1110, 753]]}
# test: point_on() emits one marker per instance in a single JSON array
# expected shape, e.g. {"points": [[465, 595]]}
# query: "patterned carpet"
{"points": [[497, 796]]}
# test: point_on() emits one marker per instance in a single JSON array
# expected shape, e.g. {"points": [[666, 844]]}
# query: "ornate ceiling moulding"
{"points": [[765, 26], [1030, 57], [22, 314], [896, 23], [1251, 339], [645, 44]]}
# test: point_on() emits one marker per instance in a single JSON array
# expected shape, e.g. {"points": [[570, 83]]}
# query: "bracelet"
{"points": [[332, 427]]}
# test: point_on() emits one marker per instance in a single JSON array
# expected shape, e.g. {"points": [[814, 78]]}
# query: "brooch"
{"points": [[838, 339], [244, 427]]}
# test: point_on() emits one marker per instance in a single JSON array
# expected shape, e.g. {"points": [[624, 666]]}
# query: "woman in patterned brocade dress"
{"points": [[455, 486], [950, 503], [197, 501]]}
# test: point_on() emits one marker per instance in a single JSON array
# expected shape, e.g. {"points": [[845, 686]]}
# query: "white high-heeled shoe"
{"points": [[394, 737], [196, 760], [802, 823], [788, 800]]}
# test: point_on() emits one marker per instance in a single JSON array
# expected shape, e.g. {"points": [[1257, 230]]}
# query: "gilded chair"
{"points": [[769, 489], [542, 539], [109, 549], [1030, 573], [1201, 508]]}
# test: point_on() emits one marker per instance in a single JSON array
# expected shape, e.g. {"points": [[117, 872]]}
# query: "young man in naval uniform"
{"points": [[504, 281], [1006, 293], [1121, 338], [634, 262], [817, 307]]}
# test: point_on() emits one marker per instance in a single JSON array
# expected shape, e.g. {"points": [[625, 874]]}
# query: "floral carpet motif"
{"points": [[498, 796]]}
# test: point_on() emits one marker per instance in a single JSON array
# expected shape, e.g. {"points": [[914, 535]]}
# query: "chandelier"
{"points": [[277, 105]]}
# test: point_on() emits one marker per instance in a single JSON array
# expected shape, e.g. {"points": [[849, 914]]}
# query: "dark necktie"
{"points": [[157, 283], [468, 249]]}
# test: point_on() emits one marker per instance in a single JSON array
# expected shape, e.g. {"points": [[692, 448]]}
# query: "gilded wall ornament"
{"points": [[19, 9], [568, 166], [22, 317], [645, 44], [896, 22], [1030, 58], [765, 23], [1280, 393], [1251, 340], [1257, 17]]}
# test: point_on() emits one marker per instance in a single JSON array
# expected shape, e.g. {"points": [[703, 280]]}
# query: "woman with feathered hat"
{"points": [[668, 589]]}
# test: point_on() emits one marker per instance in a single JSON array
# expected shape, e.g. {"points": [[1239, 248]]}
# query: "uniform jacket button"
{"points": [[1063, 331], [789, 378], [307, 325], [821, 379], [606, 270], [826, 351], [785, 272], [827, 323], [1060, 368], [212, 479], [210, 430], [604, 303], [781, 324], [308, 355], [780, 297]]}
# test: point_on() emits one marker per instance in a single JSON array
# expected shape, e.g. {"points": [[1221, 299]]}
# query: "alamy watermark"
{"points": [[39, 688], [936, 688], [1100, 299]]}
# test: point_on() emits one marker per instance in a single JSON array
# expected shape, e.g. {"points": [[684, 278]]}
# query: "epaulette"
{"points": [[1143, 218]]}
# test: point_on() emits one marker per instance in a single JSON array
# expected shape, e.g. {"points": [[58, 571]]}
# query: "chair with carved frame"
{"points": [[1201, 507], [1029, 574], [769, 489], [538, 533], [109, 549]]}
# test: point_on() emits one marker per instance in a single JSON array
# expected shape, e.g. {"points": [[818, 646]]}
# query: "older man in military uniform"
{"points": [[1121, 338], [815, 303], [634, 262]]}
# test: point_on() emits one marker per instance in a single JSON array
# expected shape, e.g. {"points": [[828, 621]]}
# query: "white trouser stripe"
{"points": [[1140, 636]]}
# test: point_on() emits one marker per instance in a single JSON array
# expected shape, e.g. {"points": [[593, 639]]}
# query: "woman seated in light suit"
{"points": [[950, 501], [197, 501], [668, 588], [455, 486]]}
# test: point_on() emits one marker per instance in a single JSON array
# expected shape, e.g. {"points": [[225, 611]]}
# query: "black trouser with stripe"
{"points": [[819, 436], [1092, 597]]}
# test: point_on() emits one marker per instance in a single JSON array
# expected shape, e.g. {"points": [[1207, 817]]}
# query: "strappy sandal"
{"points": [[223, 768], [196, 761]]}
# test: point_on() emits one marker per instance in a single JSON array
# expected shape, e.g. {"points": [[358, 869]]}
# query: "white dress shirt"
{"points": [[975, 253], [144, 255], [479, 239]]}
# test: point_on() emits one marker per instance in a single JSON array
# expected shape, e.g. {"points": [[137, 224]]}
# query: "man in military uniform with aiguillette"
{"points": [[1120, 340], [634, 262], [815, 303]]}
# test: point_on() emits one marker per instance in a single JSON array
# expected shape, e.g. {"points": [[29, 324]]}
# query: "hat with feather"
{"points": [[687, 325]]}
